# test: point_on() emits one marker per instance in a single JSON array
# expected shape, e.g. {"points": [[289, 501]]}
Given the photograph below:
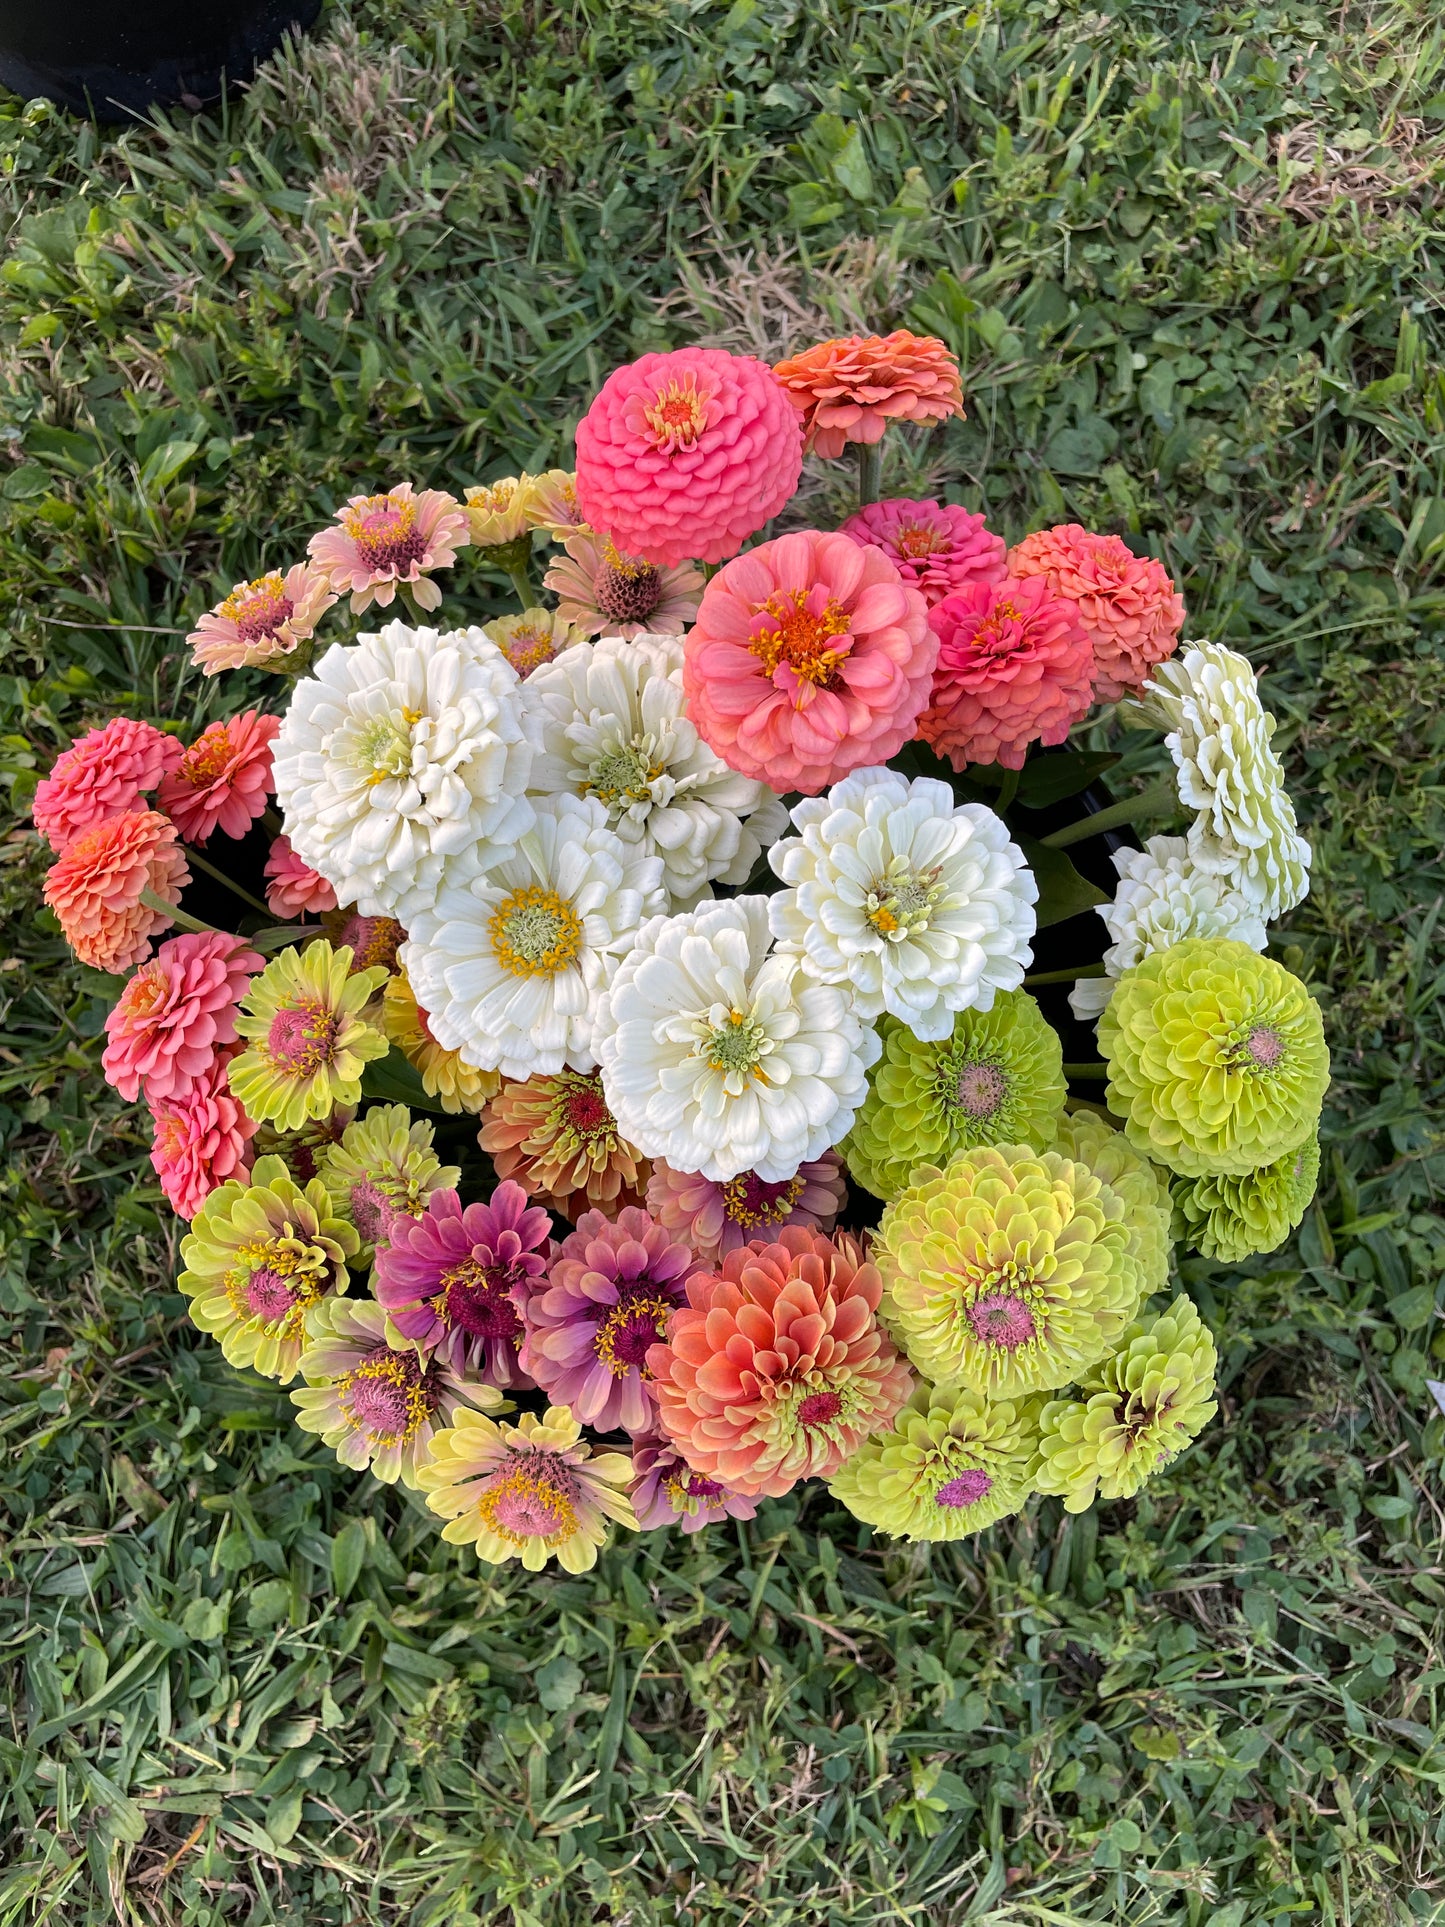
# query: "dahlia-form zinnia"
{"points": [[103, 774], [1087, 1138], [383, 1168], [1127, 603], [557, 1137], [936, 548], [381, 543], [953, 1463], [716, 1216], [260, 623], [97, 888], [850, 388], [665, 1491], [175, 1012], [445, 1074], [310, 1037], [293, 888], [602, 591], [223, 780], [1231, 1219], [201, 1137]]}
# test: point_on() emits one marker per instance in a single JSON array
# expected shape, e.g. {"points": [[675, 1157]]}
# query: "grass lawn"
{"points": [[1191, 257]]}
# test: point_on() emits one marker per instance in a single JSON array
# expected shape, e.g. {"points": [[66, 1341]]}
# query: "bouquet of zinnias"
{"points": [[704, 886]]}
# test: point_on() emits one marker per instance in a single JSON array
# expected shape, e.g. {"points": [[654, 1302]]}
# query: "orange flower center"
{"points": [[208, 757], [914, 540], [385, 533], [259, 609], [676, 416], [798, 627], [146, 989]]}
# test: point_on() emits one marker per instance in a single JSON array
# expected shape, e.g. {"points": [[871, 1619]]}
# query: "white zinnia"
{"points": [[1163, 897], [398, 753], [921, 904], [1219, 735], [510, 962], [609, 719], [721, 1056]]}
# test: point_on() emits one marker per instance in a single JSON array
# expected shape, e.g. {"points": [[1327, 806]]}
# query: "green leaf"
{"points": [[166, 463], [1063, 893], [394, 1080], [1082, 450], [21, 484], [1413, 1308], [348, 1556], [558, 1683], [1049, 779]]}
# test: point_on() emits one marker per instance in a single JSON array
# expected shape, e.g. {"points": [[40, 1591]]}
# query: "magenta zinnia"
{"points": [[667, 1492]]}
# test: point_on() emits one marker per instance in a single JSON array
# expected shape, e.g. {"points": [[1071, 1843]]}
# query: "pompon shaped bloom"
{"points": [[261, 1253], [609, 722], [531, 1491], [175, 1012], [1134, 1413], [1231, 1219], [921, 905], [510, 964], [550, 503], [716, 1216], [1086, 1138], [936, 548], [604, 1303], [293, 888], [1163, 897], [850, 388], [497, 512], [401, 753], [686, 454], [665, 1491], [309, 1036], [96, 888], [380, 543], [377, 1405], [1014, 668], [997, 1078], [223, 780], [810, 657], [603, 591], [455, 1280], [534, 637], [201, 1138], [444, 1074], [777, 1367], [557, 1137], [371, 940], [953, 1463], [1010, 1270], [722, 1058], [260, 623], [1127, 603], [383, 1168], [1217, 1058], [1219, 736], [103, 774]]}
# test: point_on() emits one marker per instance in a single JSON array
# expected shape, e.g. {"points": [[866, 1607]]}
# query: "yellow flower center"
{"points": [[259, 608], [787, 629], [535, 933], [208, 756], [386, 1397], [898, 905]]}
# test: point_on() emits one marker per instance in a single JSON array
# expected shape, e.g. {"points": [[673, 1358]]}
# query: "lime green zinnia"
{"points": [[1087, 1139], [952, 1463], [1217, 1058], [310, 1040], [383, 1168], [998, 1079], [260, 1254], [1233, 1218], [1134, 1413]]}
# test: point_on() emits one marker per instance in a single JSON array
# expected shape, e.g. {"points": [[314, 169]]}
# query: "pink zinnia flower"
{"points": [[102, 774], [224, 778], [260, 622], [605, 592], [1127, 603], [175, 1012], [293, 889], [687, 454], [608, 1296], [810, 657], [95, 888], [202, 1138], [379, 543], [849, 389], [936, 547], [715, 1218], [371, 940], [665, 1491], [1014, 667], [455, 1280]]}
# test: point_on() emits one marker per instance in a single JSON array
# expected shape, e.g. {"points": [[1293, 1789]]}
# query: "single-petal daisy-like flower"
{"points": [[551, 503], [98, 888], [510, 965], [103, 774], [599, 589], [850, 388], [921, 905], [260, 623], [310, 1036], [1086, 1138], [175, 1012], [936, 548], [665, 1491], [687, 454], [715, 1216], [202, 1138], [535, 637], [1234, 1218], [398, 754], [371, 940], [531, 1491], [383, 1168], [444, 1074], [497, 512], [810, 657], [455, 1280], [777, 1369], [380, 543], [293, 888], [1127, 603], [953, 1463], [723, 1058], [260, 1254], [609, 722], [223, 780], [557, 1137]]}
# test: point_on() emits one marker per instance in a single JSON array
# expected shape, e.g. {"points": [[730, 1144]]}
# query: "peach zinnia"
{"points": [[103, 773], [1127, 603], [175, 1012], [261, 622], [810, 657], [849, 389], [382, 543], [224, 778], [98, 888], [557, 1137]]}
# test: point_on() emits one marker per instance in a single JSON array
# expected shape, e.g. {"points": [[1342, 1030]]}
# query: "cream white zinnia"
{"points": [[921, 904], [722, 1056], [1219, 735], [609, 719], [509, 963], [400, 752]]}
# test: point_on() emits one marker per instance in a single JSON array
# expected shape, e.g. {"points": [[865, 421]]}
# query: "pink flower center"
{"points": [[627, 591], [269, 1296], [819, 1408], [371, 1211], [676, 417], [967, 1489], [302, 1038], [527, 645], [628, 1329], [387, 1397], [259, 610], [532, 1495], [1265, 1046], [371, 940], [386, 536], [476, 1298], [804, 631], [750, 1200], [981, 1089], [1002, 1318]]}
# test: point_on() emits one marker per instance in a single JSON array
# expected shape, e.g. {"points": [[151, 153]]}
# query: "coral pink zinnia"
{"points": [[224, 778], [175, 1012], [95, 889], [1127, 603], [293, 889], [102, 773], [937, 548], [260, 622], [1014, 667], [202, 1138], [810, 657], [777, 1368], [849, 389], [715, 1217], [379, 543], [687, 454]]}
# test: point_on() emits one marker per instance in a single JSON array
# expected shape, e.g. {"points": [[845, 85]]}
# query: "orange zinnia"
{"points": [[849, 389]]}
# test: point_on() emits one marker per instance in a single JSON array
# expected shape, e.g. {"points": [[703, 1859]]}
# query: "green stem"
{"points": [[870, 472], [1064, 976], [1008, 789], [272, 822], [204, 863], [278, 935], [174, 914], [1085, 1070], [1160, 799], [524, 587]]}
